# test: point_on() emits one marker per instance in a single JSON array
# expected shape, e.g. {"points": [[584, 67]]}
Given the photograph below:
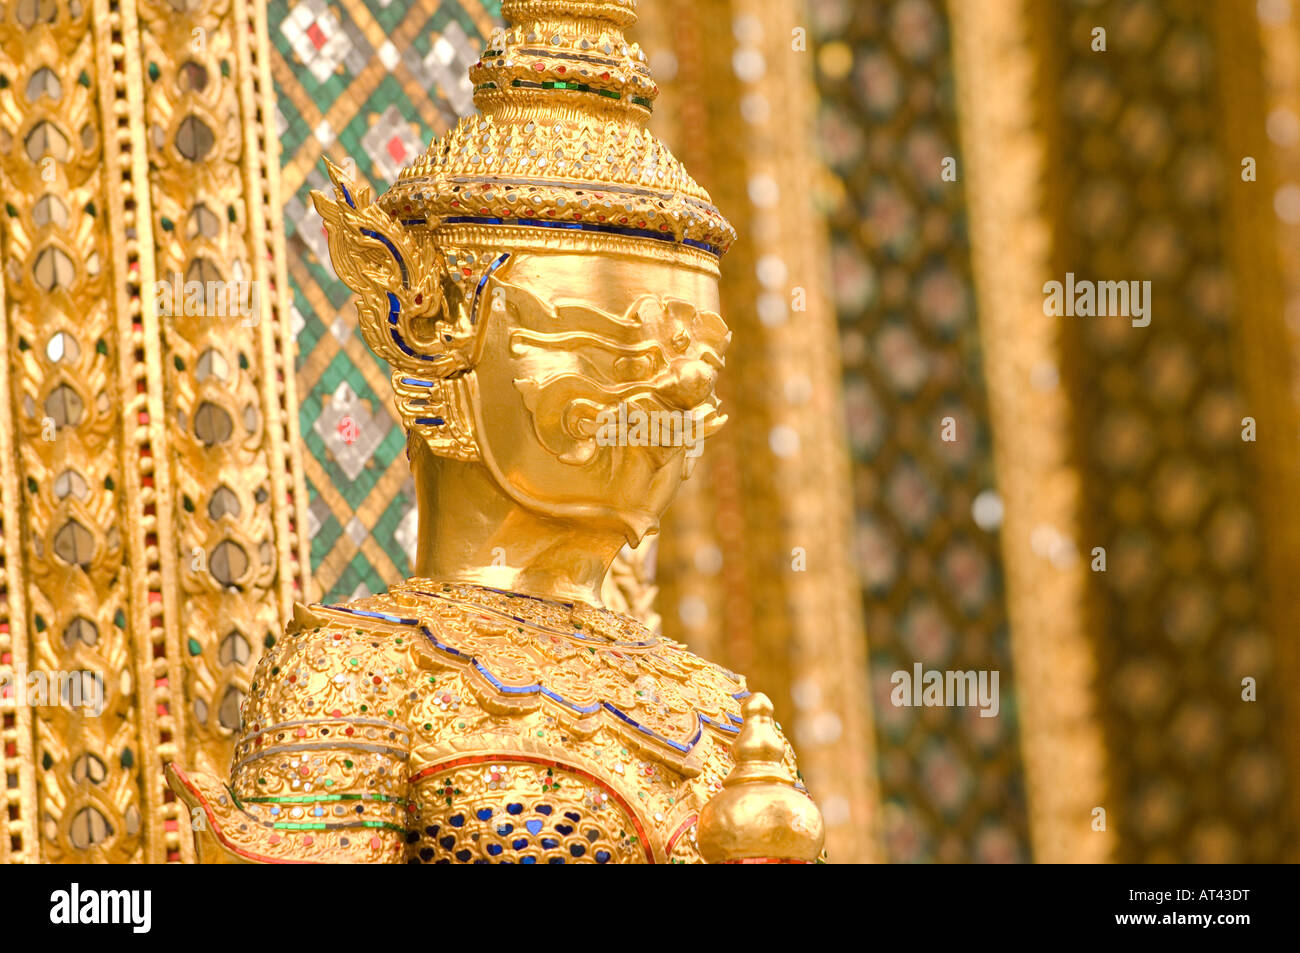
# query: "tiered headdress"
{"points": [[561, 142]]}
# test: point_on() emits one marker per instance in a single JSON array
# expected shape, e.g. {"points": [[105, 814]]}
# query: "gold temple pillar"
{"points": [[151, 495], [1147, 469], [1006, 172]]}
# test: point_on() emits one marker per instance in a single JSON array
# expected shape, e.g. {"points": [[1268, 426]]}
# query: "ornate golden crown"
{"points": [[559, 159], [561, 142]]}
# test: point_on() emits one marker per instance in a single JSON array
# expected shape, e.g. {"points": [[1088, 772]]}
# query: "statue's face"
{"points": [[596, 385]]}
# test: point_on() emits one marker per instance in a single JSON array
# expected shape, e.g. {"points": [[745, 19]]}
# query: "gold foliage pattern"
{"points": [[148, 495]]}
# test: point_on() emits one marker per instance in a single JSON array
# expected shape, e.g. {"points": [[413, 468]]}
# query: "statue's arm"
{"points": [[321, 767]]}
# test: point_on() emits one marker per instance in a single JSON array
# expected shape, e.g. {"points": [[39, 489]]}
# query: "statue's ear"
{"points": [[582, 422], [568, 423]]}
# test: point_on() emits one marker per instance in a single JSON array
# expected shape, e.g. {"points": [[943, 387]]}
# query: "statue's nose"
{"points": [[691, 384]]}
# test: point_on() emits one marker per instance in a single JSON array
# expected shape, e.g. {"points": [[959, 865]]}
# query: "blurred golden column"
{"points": [[996, 60], [149, 484], [1147, 462], [755, 563], [1259, 93]]}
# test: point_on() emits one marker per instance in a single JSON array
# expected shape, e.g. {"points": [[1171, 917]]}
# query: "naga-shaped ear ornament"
{"points": [[411, 313]]}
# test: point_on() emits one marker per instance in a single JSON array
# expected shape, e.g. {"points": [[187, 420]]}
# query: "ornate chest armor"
{"points": [[456, 724]]}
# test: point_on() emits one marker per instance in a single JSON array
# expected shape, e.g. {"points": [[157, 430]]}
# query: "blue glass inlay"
{"points": [[456, 820], [519, 843], [577, 850], [388, 243], [483, 813], [396, 620], [514, 808], [684, 748], [501, 686], [431, 421], [482, 282], [494, 849], [550, 843], [449, 649], [534, 826], [505, 829], [581, 709], [528, 860], [602, 857], [394, 310], [730, 729], [416, 382], [544, 809]]}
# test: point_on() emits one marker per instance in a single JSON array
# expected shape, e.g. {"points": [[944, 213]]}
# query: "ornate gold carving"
{"points": [[221, 500], [109, 399], [64, 386]]}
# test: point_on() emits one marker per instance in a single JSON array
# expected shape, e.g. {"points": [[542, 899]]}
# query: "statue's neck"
{"points": [[471, 532]]}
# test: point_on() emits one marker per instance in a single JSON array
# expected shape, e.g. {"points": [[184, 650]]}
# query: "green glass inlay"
{"points": [[373, 825]]}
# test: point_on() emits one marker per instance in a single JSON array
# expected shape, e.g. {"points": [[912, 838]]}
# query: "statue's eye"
{"points": [[633, 368]]}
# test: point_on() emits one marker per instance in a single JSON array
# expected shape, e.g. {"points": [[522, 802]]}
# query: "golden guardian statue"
{"points": [[543, 283]]}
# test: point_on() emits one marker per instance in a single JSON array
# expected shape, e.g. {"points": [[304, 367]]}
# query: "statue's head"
{"points": [[543, 282]]}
